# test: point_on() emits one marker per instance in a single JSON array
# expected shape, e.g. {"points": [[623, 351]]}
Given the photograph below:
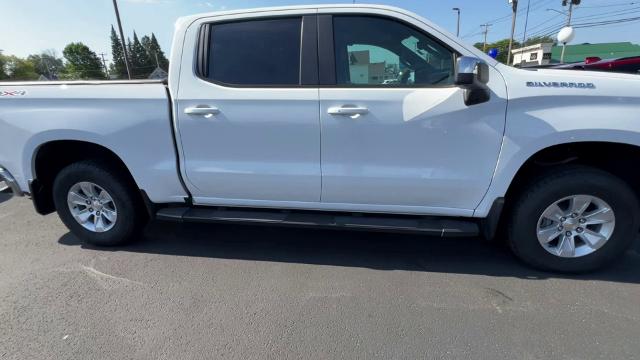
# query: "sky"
{"points": [[31, 26]]}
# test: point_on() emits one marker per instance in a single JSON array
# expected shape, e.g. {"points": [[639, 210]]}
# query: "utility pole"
{"points": [[124, 45], [570, 13], [571, 3], [514, 7], [104, 63], [486, 31], [458, 27], [524, 35]]}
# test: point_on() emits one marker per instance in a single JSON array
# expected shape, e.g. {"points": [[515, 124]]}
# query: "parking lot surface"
{"points": [[242, 292]]}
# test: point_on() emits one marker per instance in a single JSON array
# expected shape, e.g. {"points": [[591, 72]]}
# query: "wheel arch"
{"points": [[49, 158], [595, 153]]}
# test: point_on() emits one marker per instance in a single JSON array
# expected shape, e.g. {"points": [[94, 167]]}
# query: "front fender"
{"points": [[537, 123]]}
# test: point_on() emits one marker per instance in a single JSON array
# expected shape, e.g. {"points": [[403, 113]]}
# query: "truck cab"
{"points": [[293, 111]]}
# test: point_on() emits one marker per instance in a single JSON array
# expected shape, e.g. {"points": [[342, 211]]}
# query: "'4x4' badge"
{"points": [[13, 93]]}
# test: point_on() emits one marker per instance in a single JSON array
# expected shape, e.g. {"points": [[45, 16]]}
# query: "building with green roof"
{"points": [[577, 53]]}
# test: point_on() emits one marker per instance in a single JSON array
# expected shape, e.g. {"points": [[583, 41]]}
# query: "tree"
{"points": [[540, 39], [15, 68], [3, 70], [140, 60], [82, 62], [118, 66], [47, 64], [502, 46], [155, 51], [146, 44]]}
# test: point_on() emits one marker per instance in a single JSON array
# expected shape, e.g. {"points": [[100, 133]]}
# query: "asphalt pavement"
{"points": [[196, 291]]}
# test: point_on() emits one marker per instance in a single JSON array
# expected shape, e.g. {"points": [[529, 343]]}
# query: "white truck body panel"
{"points": [[418, 151], [263, 146], [132, 120], [541, 117], [418, 147]]}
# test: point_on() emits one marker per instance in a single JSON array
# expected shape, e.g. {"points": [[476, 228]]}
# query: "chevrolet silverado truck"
{"points": [[343, 116]]}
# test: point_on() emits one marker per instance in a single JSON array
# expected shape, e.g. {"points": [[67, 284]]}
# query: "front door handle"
{"points": [[348, 110], [202, 110]]}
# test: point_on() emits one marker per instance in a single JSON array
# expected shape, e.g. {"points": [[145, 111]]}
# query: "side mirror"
{"points": [[472, 74], [471, 70]]}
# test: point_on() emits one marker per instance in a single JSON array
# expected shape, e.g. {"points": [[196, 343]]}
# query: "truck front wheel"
{"points": [[573, 220], [97, 204]]}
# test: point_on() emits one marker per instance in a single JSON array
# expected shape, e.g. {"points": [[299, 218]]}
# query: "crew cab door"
{"points": [[395, 129], [247, 111]]}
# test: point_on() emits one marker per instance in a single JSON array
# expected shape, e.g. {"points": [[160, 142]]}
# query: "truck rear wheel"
{"points": [[97, 204], [574, 220]]}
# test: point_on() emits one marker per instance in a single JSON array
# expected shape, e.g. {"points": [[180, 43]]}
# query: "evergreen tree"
{"points": [[82, 62], [129, 48], [162, 58], [140, 60], [146, 43], [118, 66], [154, 50]]}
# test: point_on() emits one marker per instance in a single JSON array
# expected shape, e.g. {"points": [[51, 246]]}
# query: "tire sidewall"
{"points": [[125, 224], [615, 192]]}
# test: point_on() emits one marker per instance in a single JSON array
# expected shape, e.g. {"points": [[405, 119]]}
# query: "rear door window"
{"points": [[256, 52]]}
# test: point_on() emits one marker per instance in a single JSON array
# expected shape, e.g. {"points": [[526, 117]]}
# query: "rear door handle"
{"points": [[202, 110], [348, 110]]}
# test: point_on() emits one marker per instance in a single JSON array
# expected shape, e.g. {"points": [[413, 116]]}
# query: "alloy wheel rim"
{"points": [[92, 207], [576, 226]]}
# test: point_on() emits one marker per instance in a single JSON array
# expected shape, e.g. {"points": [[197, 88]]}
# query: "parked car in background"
{"points": [[629, 65], [280, 116]]}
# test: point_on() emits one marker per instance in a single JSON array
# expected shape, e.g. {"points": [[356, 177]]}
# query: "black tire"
{"points": [[130, 219], [558, 184]]}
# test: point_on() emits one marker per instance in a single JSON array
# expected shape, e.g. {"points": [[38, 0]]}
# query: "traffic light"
{"points": [[574, 2]]}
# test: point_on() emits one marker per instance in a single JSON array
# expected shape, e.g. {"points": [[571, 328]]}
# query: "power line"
{"points": [[596, 24], [606, 16], [607, 22], [610, 13], [540, 24], [548, 30], [610, 5], [534, 7]]}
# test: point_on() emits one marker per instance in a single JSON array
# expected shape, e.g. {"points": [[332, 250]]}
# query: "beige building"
{"points": [[362, 71], [538, 54]]}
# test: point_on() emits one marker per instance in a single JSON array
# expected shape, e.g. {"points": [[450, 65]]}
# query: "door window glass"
{"points": [[257, 52], [374, 51]]}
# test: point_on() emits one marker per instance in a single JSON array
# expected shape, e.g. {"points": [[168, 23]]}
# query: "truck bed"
{"points": [[131, 118], [80, 82]]}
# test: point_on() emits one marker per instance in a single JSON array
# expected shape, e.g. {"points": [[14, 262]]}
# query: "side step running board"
{"points": [[433, 226]]}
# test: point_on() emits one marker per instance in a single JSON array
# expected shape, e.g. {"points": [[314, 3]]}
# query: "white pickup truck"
{"points": [[365, 117]]}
